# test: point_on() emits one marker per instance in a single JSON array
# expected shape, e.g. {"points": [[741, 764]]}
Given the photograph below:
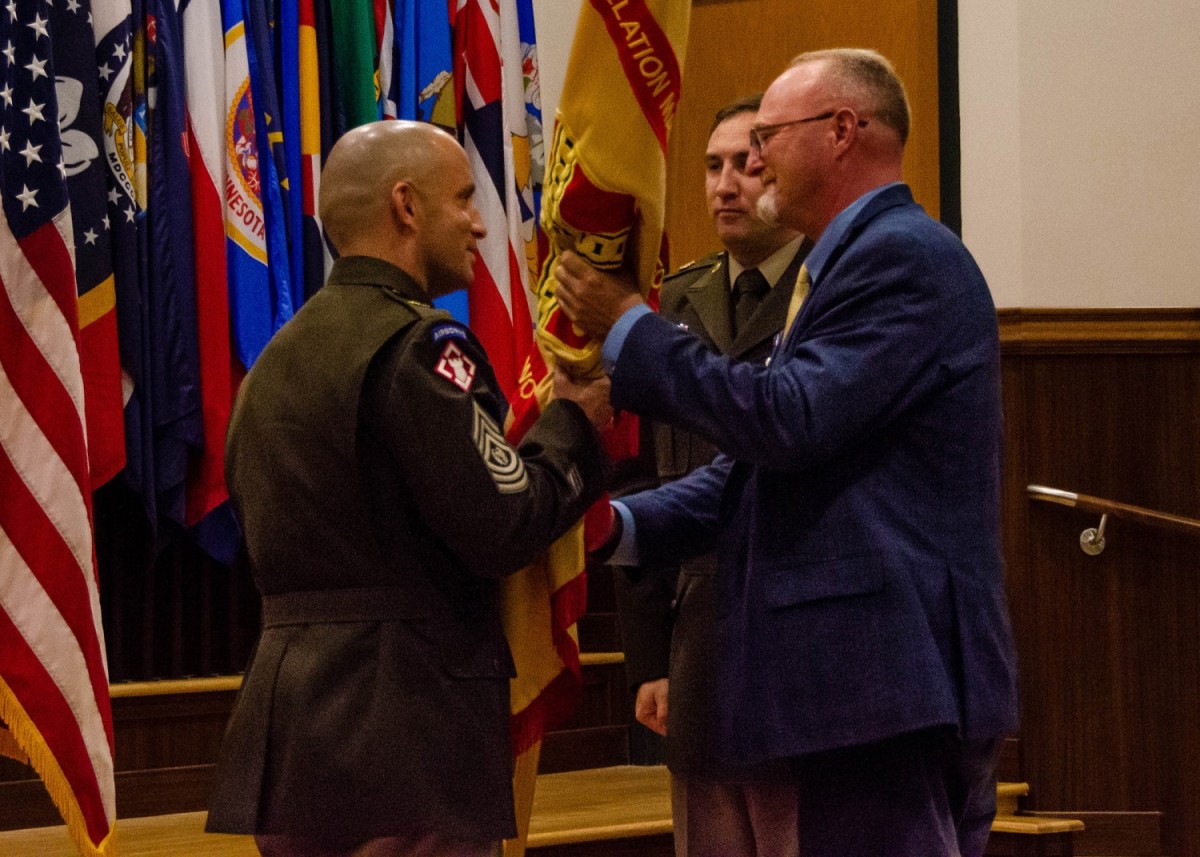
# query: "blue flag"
{"points": [[424, 56], [255, 311], [121, 48], [531, 201], [422, 71], [272, 166], [288, 54], [169, 398]]}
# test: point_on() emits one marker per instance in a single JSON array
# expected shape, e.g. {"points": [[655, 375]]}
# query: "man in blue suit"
{"points": [[855, 506]]}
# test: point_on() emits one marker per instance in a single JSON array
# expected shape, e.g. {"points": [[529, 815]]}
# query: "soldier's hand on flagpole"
{"points": [[593, 299], [591, 394]]}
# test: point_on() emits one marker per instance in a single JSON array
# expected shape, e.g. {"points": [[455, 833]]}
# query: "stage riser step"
{"points": [[1116, 834], [621, 804]]}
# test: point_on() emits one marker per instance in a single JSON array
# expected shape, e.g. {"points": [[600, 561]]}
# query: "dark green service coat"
{"points": [[381, 505]]}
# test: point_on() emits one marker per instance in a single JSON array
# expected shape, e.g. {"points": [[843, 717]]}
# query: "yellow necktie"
{"points": [[803, 284]]}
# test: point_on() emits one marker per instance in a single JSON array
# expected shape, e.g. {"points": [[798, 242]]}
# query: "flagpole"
{"points": [[524, 785]]}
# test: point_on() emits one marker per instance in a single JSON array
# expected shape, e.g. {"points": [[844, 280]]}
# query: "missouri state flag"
{"points": [[80, 118]]}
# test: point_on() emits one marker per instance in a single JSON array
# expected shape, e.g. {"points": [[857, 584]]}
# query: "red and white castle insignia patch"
{"points": [[456, 367]]}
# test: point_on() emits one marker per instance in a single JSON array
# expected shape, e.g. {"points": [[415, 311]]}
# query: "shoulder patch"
{"points": [[504, 463], [444, 330], [456, 367]]}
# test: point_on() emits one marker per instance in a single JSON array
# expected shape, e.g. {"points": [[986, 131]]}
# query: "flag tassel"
{"points": [[10, 748], [31, 742]]}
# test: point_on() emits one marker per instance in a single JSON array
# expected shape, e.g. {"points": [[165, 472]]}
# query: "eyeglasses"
{"points": [[761, 135]]}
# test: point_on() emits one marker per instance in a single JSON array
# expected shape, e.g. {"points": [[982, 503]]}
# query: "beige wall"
{"points": [[555, 24], [1080, 135]]}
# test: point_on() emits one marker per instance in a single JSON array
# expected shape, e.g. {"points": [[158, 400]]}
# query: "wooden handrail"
{"points": [[1088, 503], [216, 684]]}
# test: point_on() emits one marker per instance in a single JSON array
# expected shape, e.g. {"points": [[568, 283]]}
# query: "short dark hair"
{"points": [[745, 104]]}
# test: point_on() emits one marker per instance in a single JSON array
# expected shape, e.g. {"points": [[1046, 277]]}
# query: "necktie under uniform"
{"points": [[749, 289]]}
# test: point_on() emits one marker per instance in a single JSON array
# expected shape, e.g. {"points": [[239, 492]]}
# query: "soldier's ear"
{"points": [[405, 205]]}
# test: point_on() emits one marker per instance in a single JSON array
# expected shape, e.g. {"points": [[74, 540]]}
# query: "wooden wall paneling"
{"points": [[169, 610], [736, 47], [166, 746], [167, 737], [1109, 646]]}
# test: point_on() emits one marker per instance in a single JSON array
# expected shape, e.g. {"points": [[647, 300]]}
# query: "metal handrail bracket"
{"points": [[1092, 540], [1052, 495]]}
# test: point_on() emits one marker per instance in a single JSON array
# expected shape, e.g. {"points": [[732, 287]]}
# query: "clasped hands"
{"points": [[593, 300]]}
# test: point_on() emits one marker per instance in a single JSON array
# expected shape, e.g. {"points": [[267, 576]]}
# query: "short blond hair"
{"points": [[870, 76]]}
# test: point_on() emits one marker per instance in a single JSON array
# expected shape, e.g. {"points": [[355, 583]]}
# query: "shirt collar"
{"points": [[771, 267], [836, 231]]}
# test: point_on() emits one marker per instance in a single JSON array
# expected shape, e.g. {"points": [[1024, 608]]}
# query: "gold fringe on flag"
{"points": [[33, 744], [10, 748]]}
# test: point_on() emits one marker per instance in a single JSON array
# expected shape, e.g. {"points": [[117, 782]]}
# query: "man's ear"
{"points": [[405, 205], [846, 125]]}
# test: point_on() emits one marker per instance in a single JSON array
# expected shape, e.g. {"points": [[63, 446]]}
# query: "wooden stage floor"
{"points": [[155, 836], [580, 806]]}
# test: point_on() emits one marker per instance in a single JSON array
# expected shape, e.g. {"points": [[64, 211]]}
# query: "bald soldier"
{"points": [[381, 506]]}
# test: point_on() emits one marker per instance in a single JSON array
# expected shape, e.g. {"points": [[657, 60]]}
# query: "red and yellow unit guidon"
{"points": [[603, 197], [606, 172]]}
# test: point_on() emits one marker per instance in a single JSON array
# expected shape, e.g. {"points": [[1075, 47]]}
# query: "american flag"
{"points": [[53, 675]]}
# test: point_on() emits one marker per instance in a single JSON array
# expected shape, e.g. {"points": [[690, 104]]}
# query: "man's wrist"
{"points": [[615, 340], [605, 550]]}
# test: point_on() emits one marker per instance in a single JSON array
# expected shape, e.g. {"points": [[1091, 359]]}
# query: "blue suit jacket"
{"points": [[855, 510]]}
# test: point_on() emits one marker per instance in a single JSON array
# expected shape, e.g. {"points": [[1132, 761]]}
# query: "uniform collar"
{"points": [[370, 271], [771, 267]]}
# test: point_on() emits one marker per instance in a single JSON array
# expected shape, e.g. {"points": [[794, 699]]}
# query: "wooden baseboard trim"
{"points": [[173, 687], [1169, 330], [1028, 825], [160, 791]]}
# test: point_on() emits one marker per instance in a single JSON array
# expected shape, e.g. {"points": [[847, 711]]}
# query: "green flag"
{"points": [[354, 62]]}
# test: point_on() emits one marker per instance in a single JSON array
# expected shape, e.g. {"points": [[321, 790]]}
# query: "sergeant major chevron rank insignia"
{"points": [[503, 462]]}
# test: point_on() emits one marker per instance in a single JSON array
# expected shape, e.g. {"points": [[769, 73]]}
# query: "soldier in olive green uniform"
{"points": [[381, 506], [668, 615]]}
